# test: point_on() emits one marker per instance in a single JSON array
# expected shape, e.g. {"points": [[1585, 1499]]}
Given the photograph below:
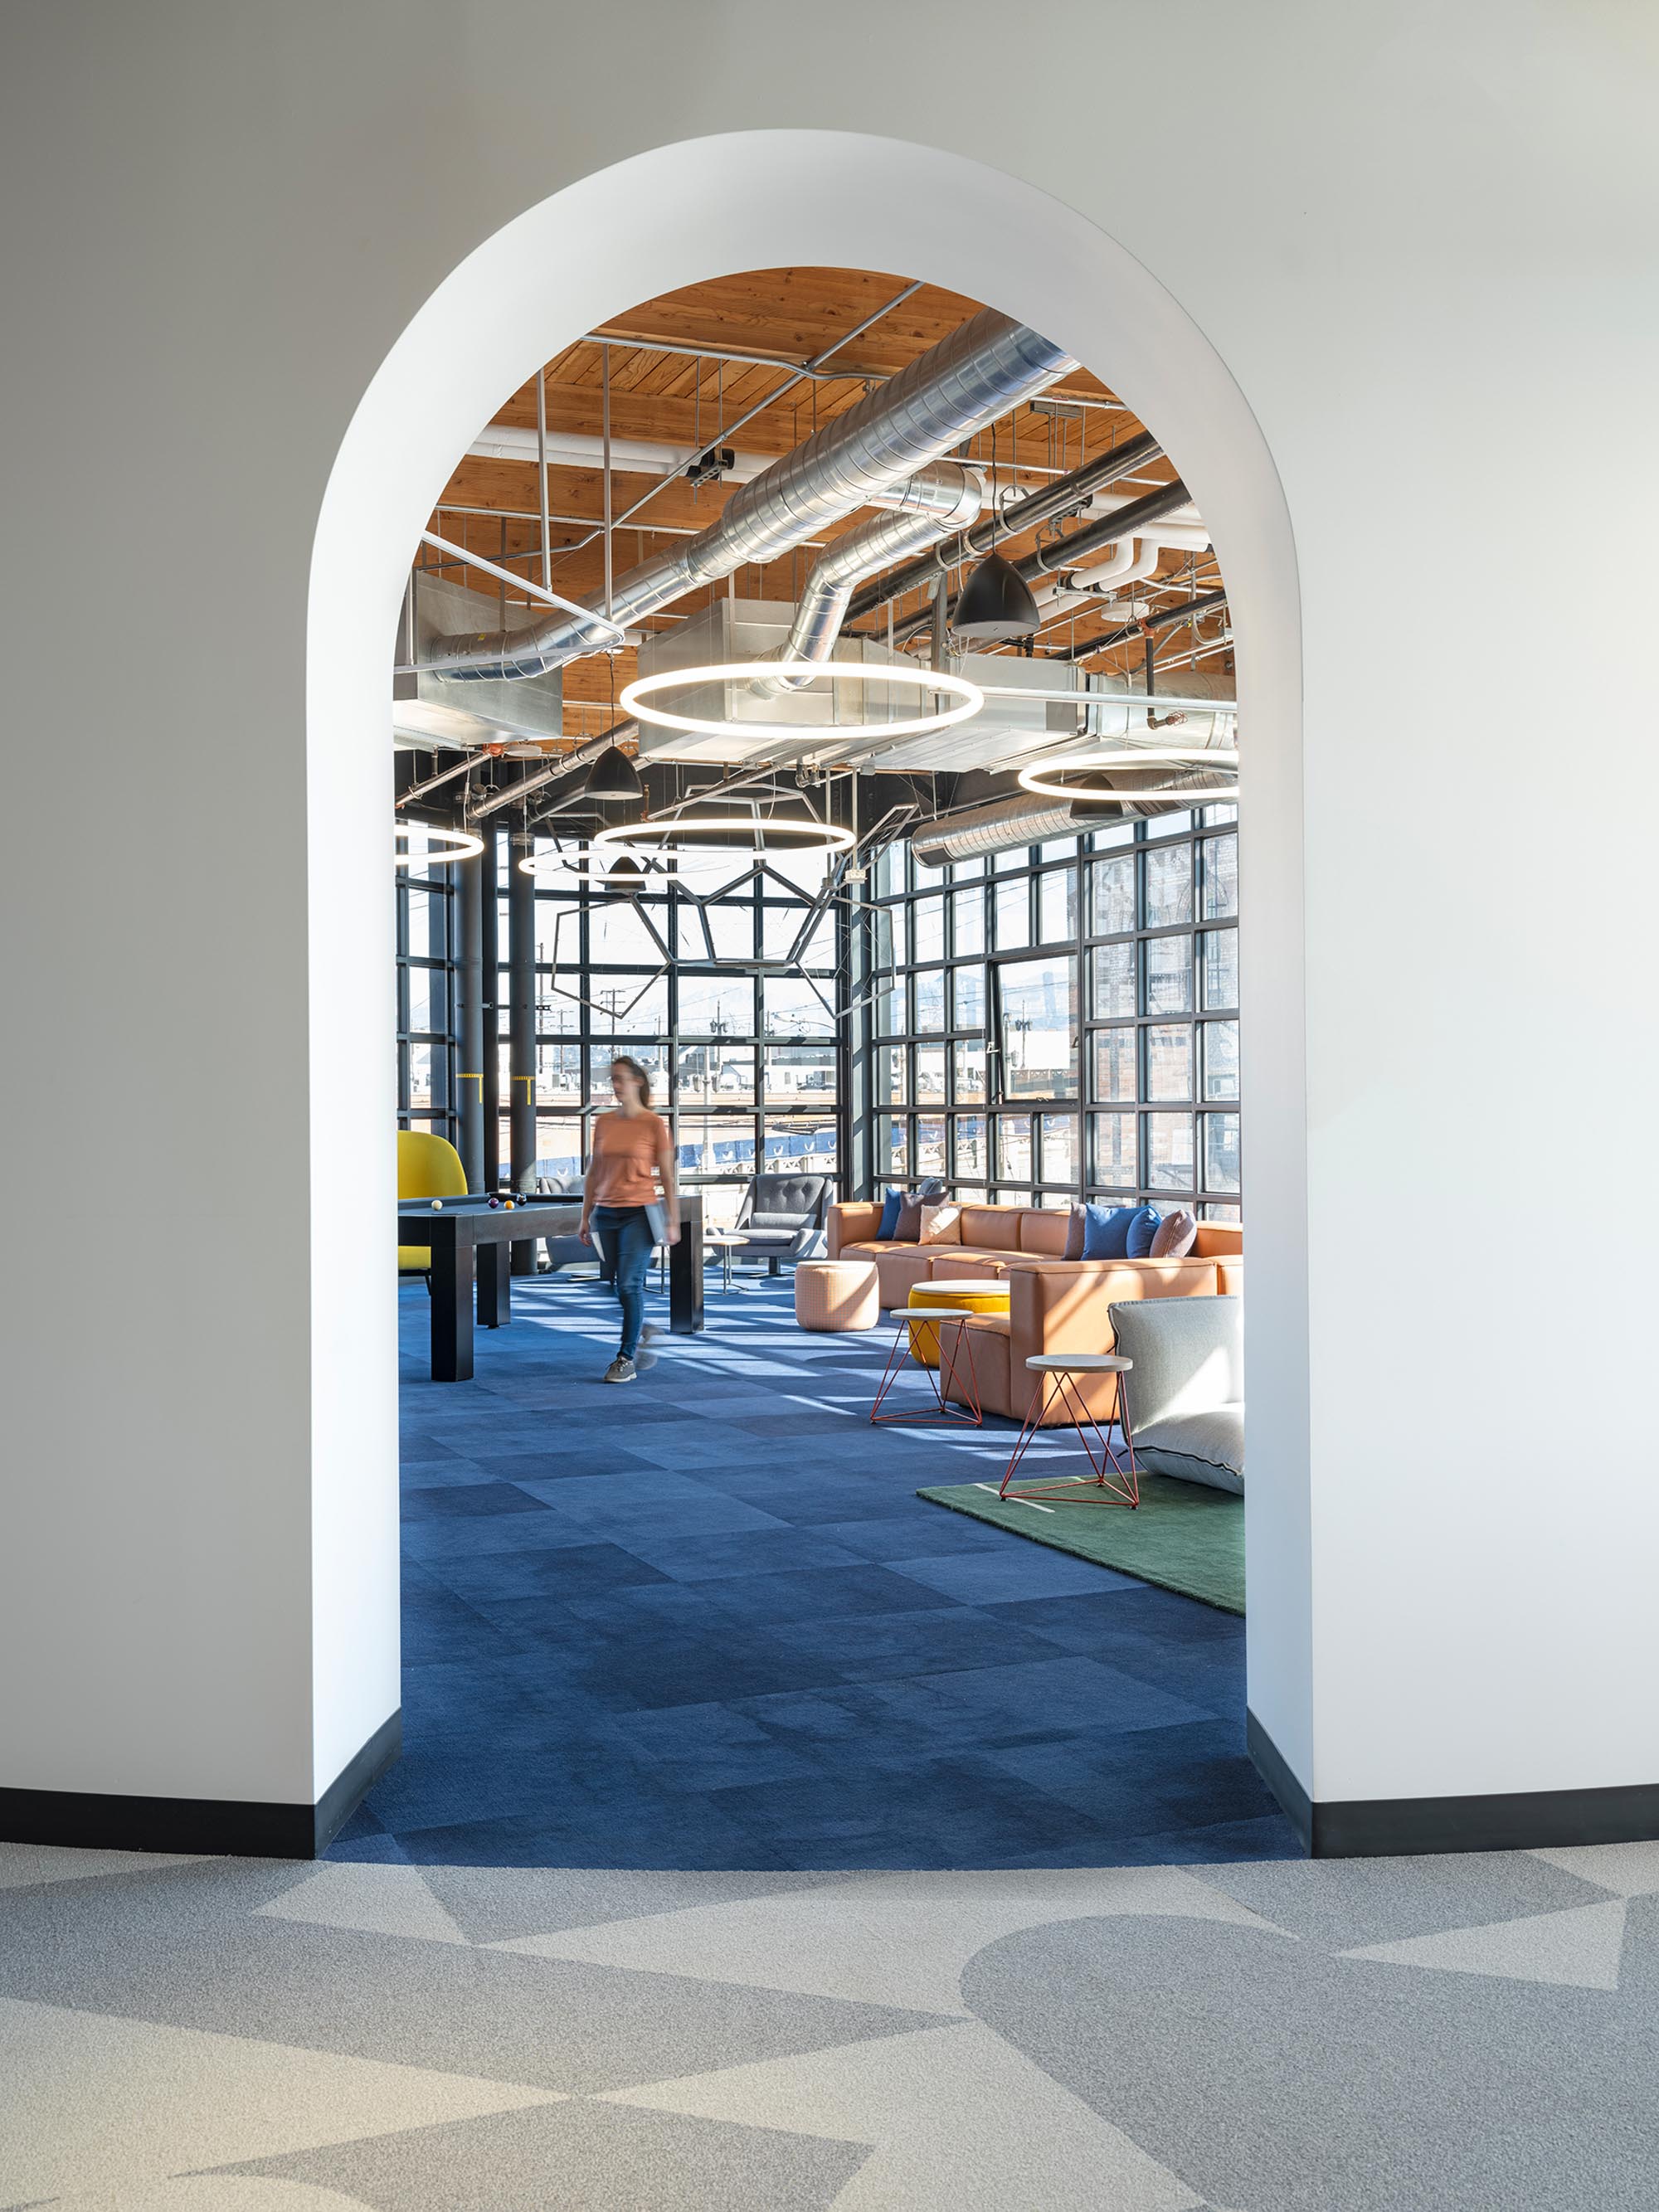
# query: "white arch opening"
{"points": [[656, 223]]}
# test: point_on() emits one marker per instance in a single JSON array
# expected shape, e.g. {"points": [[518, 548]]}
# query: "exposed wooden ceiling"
{"points": [[789, 316]]}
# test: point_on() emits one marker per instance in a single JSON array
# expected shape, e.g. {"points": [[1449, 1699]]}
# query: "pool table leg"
{"points": [[451, 1311]]}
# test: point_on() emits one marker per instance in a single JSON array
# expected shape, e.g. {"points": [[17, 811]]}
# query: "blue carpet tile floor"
{"points": [[703, 1622]]}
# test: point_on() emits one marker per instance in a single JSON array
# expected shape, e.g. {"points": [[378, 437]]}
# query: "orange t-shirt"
{"points": [[626, 1147]]}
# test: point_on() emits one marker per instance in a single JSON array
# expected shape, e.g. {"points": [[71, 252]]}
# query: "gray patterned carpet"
{"points": [[1374, 2035]]}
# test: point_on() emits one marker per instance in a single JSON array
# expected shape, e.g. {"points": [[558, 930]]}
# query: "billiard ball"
{"points": [[437, 1206], [509, 1206], [494, 1206]]}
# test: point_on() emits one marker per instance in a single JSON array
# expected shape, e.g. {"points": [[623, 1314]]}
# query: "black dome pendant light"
{"points": [[995, 606], [626, 878], [613, 780]]}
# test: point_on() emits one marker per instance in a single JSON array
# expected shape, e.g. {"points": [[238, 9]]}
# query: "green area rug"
{"points": [[1182, 1536]]}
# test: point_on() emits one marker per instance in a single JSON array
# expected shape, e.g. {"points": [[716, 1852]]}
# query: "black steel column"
{"points": [[853, 926], [469, 1024], [490, 963], [521, 1017]]}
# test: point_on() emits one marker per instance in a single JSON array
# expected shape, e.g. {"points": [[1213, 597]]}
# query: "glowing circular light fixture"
{"points": [[1039, 775], [636, 697], [460, 844], [720, 828]]}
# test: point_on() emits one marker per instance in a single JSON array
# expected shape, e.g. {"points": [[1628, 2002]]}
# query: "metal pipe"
{"points": [[447, 774], [939, 499], [604, 465], [1057, 498], [566, 764], [1106, 690], [1162, 620], [996, 827], [987, 365], [541, 482]]}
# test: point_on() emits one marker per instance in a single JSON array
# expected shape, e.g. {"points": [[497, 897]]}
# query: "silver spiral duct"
{"points": [[1192, 785], [987, 365], [939, 500], [997, 827]]}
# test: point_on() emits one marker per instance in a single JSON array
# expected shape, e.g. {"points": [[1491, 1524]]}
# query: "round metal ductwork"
{"points": [[996, 828]]}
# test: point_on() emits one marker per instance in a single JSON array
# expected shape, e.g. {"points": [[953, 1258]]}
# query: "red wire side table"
{"points": [[1114, 1480], [956, 1366]]}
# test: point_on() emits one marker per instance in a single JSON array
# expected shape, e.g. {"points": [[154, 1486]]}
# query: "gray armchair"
{"points": [[1186, 1389], [782, 1216]]}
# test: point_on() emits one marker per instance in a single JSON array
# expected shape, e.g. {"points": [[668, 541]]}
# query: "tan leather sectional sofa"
{"points": [[1055, 1304]]}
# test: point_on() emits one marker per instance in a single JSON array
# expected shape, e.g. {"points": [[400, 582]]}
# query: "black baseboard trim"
{"points": [[1270, 1764], [219, 1825], [1407, 1828]]}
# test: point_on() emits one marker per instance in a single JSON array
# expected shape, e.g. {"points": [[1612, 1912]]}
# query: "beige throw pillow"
{"points": [[941, 1225], [1175, 1237]]}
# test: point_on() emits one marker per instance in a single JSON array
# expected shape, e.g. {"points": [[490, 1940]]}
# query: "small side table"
{"points": [[725, 1243], [956, 1365], [1116, 1480]]}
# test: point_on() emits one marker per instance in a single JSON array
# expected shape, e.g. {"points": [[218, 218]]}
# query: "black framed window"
{"points": [[1064, 1022], [746, 1058], [425, 1010]]}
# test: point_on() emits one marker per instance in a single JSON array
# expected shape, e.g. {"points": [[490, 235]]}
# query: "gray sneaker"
{"points": [[620, 1371]]}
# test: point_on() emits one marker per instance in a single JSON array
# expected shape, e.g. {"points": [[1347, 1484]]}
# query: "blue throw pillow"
{"points": [[890, 1214], [1142, 1229], [1106, 1232]]}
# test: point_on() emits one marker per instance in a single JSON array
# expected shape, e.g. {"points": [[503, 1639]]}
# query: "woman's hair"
{"points": [[627, 1060]]}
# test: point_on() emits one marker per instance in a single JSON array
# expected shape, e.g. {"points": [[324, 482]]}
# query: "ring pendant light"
{"points": [[816, 837], [637, 698], [462, 845], [1040, 776]]}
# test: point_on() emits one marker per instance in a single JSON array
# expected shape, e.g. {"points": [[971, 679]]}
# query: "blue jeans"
{"points": [[627, 1246]]}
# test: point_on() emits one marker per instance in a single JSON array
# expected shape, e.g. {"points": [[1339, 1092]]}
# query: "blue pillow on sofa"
{"points": [[1119, 1232], [891, 1202], [1145, 1226]]}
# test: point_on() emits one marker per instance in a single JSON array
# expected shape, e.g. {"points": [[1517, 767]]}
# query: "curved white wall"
{"points": [[1421, 244]]}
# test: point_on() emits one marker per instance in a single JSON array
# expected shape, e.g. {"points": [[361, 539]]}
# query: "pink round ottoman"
{"points": [[838, 1294]]}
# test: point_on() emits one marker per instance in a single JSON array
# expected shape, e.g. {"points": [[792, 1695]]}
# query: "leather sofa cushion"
{"points": [[1218, 1239], [995, 1228], [1043, 1232]]}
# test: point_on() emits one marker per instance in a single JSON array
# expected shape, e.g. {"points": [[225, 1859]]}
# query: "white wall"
{"points": [[1421, 244]]}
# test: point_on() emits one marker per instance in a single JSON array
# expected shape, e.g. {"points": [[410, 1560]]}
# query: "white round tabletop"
{"points": [[1079, 1363], [928, 1314], [723, 1237]]}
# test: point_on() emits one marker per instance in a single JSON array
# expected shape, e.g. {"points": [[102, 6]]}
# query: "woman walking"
{"points": [[632, 1148]]}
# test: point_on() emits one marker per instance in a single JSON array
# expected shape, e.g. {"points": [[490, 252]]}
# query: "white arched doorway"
{"points": [[660, 221]]}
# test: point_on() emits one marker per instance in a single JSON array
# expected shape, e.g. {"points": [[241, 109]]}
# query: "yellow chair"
{"points": [[979, 1297], [428, 1167]]}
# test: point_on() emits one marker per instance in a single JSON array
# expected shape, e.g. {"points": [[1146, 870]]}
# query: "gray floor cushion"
{"points": [[1207, 1447]]}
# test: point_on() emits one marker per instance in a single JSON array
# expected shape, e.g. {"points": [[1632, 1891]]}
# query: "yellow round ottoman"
{"points": [[838, 1294], [981, 1297]]}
